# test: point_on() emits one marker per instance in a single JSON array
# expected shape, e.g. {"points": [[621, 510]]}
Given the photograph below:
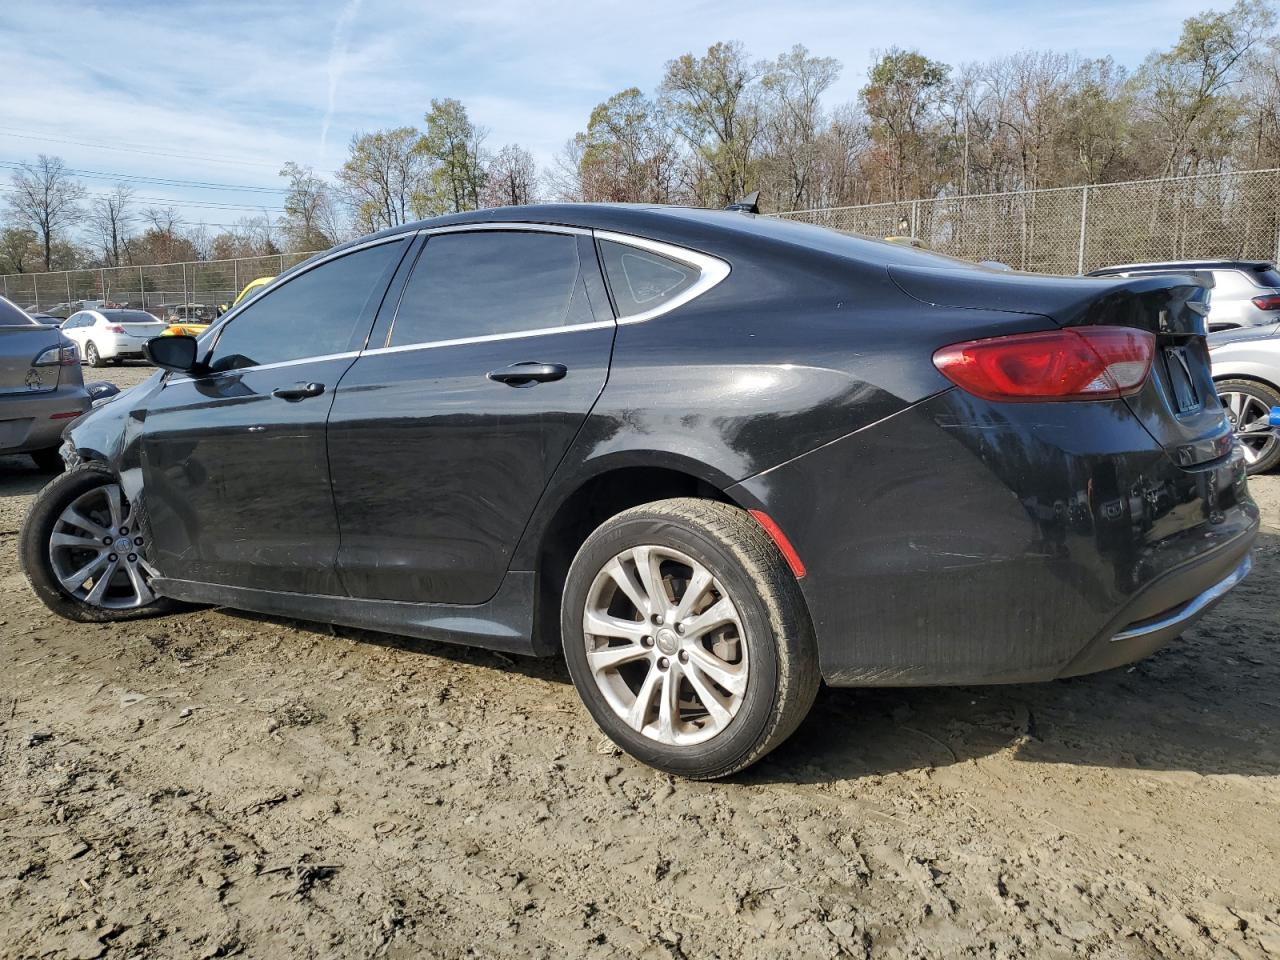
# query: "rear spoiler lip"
{"points": [[1171, 303]]}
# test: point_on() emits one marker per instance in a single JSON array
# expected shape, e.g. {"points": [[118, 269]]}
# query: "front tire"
{"points": [[91, 355], [81, 550], [1248, 403], [687, 637]]}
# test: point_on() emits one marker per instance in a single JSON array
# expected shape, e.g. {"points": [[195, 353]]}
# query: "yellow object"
{"points": [[184, 329], [251, 288]]}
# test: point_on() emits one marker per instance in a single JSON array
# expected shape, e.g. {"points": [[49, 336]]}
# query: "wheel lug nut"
{"points": [[112, 558], [663, 663], [679, 627], [124, 531], [646, 641], [137, 542], [107, 541], [657, 618], [684, 656], [133, 558]]}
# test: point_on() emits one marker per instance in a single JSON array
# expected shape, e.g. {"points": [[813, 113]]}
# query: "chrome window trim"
{"points": [[712, 270], [490, 338], [514, 226], [347, 355]]}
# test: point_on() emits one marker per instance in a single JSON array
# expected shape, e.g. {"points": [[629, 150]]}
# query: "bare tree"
{"points": [[310, 220], [384, 173], [111, 216], [46, 199], [512, 180]]}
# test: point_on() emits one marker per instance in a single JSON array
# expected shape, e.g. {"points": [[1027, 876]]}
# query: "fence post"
{"points": [[67, 276], [142, 288], [185, 298], [915, 219], [235, 277], [102, 282], [6, 286], [35, 289], [1084, 222]]}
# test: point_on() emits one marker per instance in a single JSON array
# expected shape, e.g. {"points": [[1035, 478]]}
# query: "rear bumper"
{"points": [[1144, 637], [964, 542], [25, 421]]}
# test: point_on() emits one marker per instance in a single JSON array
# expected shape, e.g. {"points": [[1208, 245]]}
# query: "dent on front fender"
{"points": [[109, 434]]}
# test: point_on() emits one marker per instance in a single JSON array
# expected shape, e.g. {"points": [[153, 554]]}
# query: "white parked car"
{"points": [[113, 335]]}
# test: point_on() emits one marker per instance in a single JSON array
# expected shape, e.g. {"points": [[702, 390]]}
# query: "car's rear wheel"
{"points": [[687, 637], [82, 550], [91, 355], [1248, 404]]}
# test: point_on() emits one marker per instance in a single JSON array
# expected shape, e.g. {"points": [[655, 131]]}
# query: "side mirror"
{"points": [[176, 353]]}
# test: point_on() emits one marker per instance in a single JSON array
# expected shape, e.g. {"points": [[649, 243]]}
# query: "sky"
{"points": [[223, 93]]}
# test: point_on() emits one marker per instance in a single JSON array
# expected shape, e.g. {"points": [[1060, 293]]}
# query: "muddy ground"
{"points": [[216, 784]]}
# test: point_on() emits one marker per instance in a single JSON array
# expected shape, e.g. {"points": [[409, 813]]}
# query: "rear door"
{"points": [[443, 436], [235, 465]]}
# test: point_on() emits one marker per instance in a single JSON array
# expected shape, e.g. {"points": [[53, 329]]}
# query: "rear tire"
{"points": [[1248, 401], [91, 355], [88, 492], [729, 703]]}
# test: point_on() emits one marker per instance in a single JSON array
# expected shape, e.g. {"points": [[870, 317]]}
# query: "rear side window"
{"points": [[491, 282], [11, 316], [312, 315], [1267, 278], [642, 280]]}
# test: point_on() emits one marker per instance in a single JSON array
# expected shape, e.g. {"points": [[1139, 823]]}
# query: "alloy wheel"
{"points": [[96, 551], [1250, 422], [665, 645]]}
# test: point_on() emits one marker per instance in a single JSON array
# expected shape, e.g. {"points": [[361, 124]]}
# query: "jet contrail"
{"points": [[337, 62]]}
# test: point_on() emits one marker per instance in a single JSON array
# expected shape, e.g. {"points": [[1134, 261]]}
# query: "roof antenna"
{"points": [[748, 204]]}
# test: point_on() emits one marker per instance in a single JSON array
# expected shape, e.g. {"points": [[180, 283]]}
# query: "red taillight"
{"points": [[115, 328], [1080, 363], [1269, 302]]}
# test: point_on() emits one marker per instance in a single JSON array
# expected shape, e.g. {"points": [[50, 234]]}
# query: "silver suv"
{"points": [[1246, 293]]}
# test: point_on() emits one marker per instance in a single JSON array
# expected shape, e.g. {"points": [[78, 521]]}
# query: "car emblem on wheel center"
{"points": [[123, 544]]}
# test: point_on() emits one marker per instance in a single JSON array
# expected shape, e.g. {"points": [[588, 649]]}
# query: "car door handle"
{"points": [[298, 392], [528, 373]]}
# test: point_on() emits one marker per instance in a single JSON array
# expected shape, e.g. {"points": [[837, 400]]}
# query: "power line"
{"points": [[9, 132], [173, 202], [158, 181]]}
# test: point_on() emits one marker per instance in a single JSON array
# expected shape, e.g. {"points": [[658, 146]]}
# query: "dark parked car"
{"points": [[1246, 293], [714, 457], [41, 387]]}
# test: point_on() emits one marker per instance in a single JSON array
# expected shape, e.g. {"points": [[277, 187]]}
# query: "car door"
{"points": [[444, 435], [73, 329], [234, 460]]}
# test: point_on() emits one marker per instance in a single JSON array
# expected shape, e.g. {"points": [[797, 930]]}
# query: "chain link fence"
{"points": [[1075, 229], [1062, 230], [157, 288]]}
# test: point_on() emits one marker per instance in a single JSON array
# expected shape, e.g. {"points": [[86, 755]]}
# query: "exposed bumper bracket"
{"points": [[1189, 611]]}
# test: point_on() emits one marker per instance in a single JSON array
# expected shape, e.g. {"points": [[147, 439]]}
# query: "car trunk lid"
{"points": [[1178, 404], [19, 348], [145, 330]]}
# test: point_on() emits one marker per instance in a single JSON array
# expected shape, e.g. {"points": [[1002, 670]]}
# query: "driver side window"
{"points": [[312, 315]]}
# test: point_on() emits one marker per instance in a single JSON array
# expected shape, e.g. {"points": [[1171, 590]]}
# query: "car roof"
{"points": [[1257, 265], [711, 231]]}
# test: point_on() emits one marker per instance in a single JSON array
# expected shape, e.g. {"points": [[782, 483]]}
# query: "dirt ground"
{"points": [[216, 784]]}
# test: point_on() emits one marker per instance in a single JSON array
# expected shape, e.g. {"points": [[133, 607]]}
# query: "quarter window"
{"points": [[312, 315], [491, 282], [642, 280]]}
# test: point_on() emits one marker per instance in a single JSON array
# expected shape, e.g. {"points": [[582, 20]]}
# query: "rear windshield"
{"points": [[11, 316], [1267, 278], [128, 316]]}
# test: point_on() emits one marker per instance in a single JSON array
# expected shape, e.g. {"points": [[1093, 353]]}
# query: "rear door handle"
{"points": [[298, 392], [528, 373]]}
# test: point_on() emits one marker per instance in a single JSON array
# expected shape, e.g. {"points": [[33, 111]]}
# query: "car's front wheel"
{"points": [[687, 637], [83, 552]]}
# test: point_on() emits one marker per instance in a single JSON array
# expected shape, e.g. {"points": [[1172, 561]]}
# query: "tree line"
{"points": [[723, 123]]}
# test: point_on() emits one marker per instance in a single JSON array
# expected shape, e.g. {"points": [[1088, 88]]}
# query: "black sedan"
{"points": [[715, 458]]}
